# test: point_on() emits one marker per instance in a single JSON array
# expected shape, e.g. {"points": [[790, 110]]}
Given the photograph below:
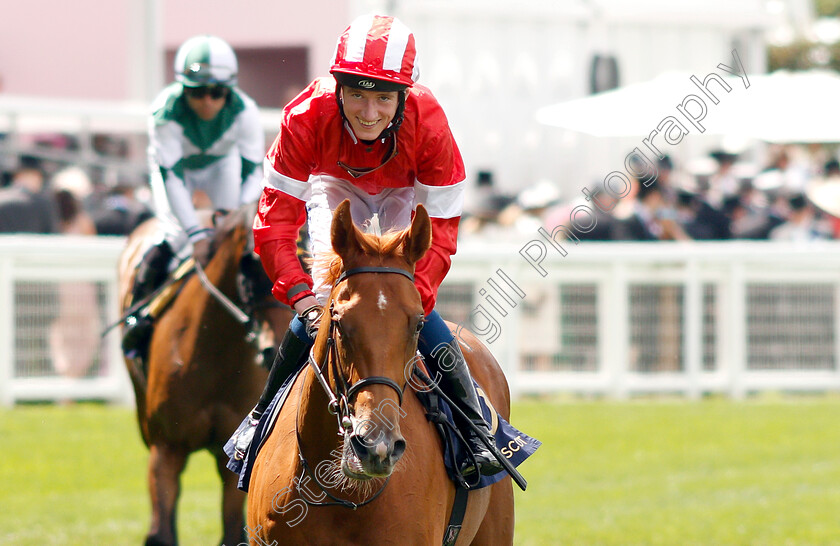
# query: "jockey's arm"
{"points": [[251, 182], [433, 267], [181, 203], [276, 227], [281, 213], [251, 144], [440, 187], [166, 153]]}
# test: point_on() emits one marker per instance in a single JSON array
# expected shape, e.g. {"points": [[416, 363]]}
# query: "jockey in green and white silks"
{"points": [[205, 135]]}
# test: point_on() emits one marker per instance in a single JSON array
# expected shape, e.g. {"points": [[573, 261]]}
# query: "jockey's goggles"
{"points": [[391, 154], [215, 91]]}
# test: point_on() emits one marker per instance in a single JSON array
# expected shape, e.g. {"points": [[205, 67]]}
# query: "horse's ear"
{"points": [[419, 237], [344, 234]]}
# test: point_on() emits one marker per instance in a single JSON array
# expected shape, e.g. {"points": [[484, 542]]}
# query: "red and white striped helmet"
{"points": [[376, 52]]}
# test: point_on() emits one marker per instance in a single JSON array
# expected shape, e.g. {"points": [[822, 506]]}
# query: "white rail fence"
{"points": [[57, 293], [612, 320], [624, 319]]}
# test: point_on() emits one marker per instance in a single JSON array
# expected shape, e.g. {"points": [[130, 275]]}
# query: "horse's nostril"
{"points": [[399, 449], [359, 446]]}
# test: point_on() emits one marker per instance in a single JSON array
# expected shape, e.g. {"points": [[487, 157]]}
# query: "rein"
{"points": [[229, 306], [340, 397]]}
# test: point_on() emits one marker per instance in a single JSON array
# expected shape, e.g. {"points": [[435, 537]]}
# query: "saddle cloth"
{"points": [[514, 445]]}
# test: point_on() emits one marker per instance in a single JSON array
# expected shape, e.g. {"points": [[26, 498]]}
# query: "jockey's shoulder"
{"points": [[421, 92], [317, 99], [238, 97], [424, 113], [165, 104]]}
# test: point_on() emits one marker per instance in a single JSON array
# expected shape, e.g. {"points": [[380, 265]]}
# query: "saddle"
{"points": [[165, 294], [514, 445], [253, 288]]}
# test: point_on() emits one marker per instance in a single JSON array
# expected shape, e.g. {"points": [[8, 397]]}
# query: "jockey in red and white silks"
{"points": [[303, 167], [372, 135]]}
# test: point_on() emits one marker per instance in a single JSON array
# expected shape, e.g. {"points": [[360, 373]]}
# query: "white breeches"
{"points": [[388, 210], [215, 187]]}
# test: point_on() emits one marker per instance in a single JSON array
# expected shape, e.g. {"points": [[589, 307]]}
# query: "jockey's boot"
{"points": [[291, 352], [267, 357], [151, 272], [136, 335], [456, 382]]}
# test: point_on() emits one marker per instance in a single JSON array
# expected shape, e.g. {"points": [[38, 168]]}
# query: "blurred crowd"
{"points": [[40, 197], [794, 196]]}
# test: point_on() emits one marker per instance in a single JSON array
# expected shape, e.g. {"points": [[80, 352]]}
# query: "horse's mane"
{"points": [[240, 217], [386, 245]]}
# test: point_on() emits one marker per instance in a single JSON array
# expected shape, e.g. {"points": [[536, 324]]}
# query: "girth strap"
{"points": [[456, 519]]}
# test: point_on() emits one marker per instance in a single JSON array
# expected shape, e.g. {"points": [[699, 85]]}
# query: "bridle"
{"points": [[340, 397], [342, 394]]}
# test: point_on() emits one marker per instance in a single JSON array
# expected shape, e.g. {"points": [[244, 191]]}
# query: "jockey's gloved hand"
{"points": [[202, 251], [311, 317]]}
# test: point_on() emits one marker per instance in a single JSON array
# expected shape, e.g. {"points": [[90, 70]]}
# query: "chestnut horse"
{"points": [[381, 480], [201, 376]]}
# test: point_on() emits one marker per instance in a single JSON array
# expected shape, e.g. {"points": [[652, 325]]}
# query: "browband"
{"points": [[356, 270]]}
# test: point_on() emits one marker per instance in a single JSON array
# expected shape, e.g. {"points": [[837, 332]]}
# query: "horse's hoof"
{"points": [[157, 541]]}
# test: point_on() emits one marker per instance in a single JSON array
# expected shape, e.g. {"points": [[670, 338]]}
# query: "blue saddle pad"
{"points": [[269, 416], [513, 444]]}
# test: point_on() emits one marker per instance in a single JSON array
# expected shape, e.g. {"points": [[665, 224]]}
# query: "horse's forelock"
{"points": [[388, 245]]}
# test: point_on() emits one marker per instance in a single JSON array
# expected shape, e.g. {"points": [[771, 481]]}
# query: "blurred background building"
{"points": [[491, 63]]}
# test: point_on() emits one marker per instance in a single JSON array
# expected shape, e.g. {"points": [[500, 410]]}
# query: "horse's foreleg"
{"points": [[165, 466], [233, 502]]}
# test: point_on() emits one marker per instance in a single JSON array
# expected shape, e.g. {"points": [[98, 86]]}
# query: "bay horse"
{"points": [[201, 376], [388, 486]]}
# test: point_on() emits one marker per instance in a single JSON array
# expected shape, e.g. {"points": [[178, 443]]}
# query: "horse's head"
{"points": [[374, 319], [232, 249]]}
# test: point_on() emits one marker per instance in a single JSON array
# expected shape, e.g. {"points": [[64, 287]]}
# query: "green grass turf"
{"points": [[670, 472], [715, 472]]}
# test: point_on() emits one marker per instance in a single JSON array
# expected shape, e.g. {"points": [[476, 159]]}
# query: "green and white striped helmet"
{"points": [[206, 60]]}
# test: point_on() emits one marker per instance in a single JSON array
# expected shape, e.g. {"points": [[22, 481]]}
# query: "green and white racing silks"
{"points": [[220, 157]]}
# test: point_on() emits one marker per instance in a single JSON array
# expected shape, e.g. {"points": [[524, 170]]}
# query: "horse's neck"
{"points": [[221, 272], [317, 427]]}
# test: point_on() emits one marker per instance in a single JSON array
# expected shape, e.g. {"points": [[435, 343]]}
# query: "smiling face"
{"points": [[369, 112]]}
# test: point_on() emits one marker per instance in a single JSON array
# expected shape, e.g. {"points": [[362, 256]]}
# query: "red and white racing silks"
{"points": [[313, 139]]}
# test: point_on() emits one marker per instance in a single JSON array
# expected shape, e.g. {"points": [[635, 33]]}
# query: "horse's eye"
{"points": [[420, 324]]}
